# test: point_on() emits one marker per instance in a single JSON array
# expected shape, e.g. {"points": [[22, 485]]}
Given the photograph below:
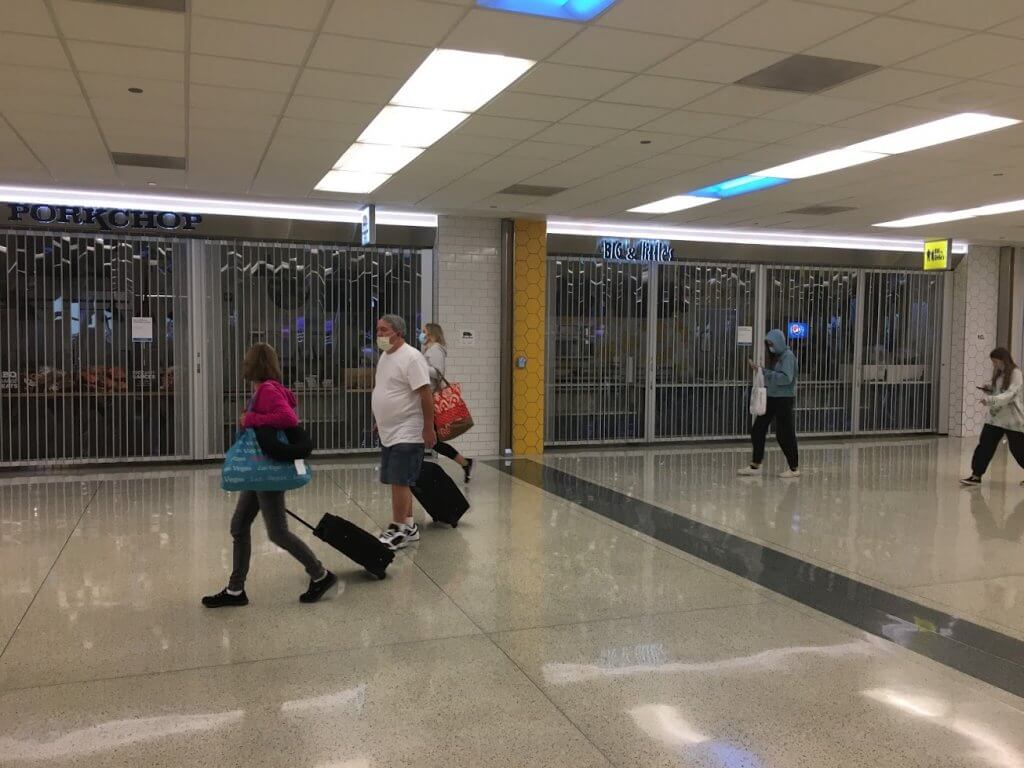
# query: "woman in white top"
{"points": [[1005, 400], [436, 351]]}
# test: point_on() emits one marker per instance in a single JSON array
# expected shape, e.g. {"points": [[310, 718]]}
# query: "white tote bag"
{"points": [[758, 395]]}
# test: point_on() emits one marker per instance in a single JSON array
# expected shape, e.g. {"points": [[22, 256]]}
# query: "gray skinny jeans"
{"points": [[271, 504]]}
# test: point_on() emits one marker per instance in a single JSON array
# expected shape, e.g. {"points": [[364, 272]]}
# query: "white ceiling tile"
{"points": [[119, 109], [1010, 76], [399, 21], [528, 37], [119, 59], [970, 56], [340, 135], [887, 41], [784, 25], [713, 147], [109, 23], [405, 188], [761, 130], [236, 39], [562, 133], [891, 118], [686, 123], [890, 85], [331, 110], [249, 126], [821, 110], [676, 161], [573, 82], [500, 127], [692, 20], [532, 106], [509, 170], [968, 96], [617, 49], [344, 85], [354, 54], [145, 137], [41, 79], [156, 94], [655, 143], [872, 6], [452, 162], [573, 172], [960, 13], [145, 178], [210, 141], [31, 100], [293, 166], [28, 16], [717, 63], [740, 100], [237, 73], [608, 115], [547, 150], [32, 51], [667, 92], [300, 14], [237, 99], [462, 193], [486, 145], [1013, 28]]}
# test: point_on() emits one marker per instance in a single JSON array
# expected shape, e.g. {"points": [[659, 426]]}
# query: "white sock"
{"points": [[410, 522], [235, 592]]}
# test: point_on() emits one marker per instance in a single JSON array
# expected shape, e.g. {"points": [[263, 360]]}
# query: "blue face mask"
{"points": [[423, 338]]}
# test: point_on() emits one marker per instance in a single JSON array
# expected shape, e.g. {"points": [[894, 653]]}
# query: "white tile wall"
{"points": [[468, 298], [975, 304]]}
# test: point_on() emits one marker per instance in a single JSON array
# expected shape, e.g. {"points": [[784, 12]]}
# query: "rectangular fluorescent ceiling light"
{"points": [[738, 186], [826, 162], [573, 10], [410, 127], [354, 182], [459, 81], [941, 217], [936, 132], [673, 204], [376, 158]]}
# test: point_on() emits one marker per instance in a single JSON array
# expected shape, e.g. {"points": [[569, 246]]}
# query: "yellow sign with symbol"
{"points": [[936, 254]]}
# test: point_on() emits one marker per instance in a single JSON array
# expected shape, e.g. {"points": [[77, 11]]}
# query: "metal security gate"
{"points": [[597, 351], [657, 352], [93, 334], [816, 309], [704, 313], [900, 353], [318, 306]]}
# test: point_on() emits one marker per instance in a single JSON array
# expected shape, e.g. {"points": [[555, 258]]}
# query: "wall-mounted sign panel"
{"points": [[101, 219], [936, 254], [619, 249]]}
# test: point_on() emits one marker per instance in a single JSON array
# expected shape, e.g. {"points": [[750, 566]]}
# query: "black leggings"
{"points": [[446, 450], [780, 409], [989, 442]]}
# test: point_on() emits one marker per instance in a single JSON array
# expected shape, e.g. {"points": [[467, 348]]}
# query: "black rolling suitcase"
{"points": [[439, 495], [358, 545]]}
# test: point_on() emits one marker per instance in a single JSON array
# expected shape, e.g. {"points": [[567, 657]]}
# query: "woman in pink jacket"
{"points": [[272, 405]]}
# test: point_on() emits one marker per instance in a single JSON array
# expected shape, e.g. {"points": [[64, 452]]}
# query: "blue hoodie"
{"points": [[780, 380]]}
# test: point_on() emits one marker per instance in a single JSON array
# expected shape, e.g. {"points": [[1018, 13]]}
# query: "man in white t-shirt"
{"points": [[403, 413]]}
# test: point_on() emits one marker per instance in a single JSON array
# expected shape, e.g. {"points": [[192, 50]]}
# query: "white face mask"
{"points": [[384, 343]]}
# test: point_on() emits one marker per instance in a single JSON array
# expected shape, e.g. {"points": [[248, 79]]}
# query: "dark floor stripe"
{"points": [[967, 647]]}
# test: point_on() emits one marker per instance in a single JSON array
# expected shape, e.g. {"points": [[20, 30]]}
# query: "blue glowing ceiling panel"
{"points": [[738, 186], [573, 10]]}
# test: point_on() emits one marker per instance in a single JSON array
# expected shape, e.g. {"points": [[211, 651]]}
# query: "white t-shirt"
{"points": [[396, 403]]}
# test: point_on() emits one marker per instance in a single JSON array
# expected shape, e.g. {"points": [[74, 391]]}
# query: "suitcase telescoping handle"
{"points": [[300, 519]]}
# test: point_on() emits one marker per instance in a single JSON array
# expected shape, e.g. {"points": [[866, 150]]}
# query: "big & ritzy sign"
{"points": [[622, 249], [102, 219]]}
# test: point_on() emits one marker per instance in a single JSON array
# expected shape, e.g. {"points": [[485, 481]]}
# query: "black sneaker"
{"points": [[318, 588], [467, 471], [224, 599], [971, 481]]}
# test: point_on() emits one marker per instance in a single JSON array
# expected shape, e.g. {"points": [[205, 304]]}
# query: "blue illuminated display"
{"points": [[796, 330], [573, 10], [738, 186]]}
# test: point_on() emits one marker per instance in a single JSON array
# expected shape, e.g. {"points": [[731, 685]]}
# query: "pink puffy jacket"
{"points": [[273, 405]]}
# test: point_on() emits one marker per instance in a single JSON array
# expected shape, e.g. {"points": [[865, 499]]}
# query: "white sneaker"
{"points": [[749, 471], [790, 474], [400, 536]]}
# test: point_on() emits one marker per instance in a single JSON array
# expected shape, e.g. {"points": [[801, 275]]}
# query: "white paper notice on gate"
{"points": [[142, 329], [745, 334]]}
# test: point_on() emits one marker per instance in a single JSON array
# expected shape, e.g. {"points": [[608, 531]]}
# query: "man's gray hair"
{"points": [[397, 324]]}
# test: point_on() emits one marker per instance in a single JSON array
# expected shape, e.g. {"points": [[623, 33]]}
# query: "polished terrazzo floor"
{"points": [[535, 634]]}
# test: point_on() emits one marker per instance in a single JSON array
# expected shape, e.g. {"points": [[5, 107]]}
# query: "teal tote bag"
{"points": [[247, 468]]}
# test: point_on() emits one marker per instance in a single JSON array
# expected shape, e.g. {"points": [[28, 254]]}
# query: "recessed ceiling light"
{"points": [[673, 204], [936, 132], [410, 126], [459, 81], [573, 10], [826, 162], [941, 217], [135, 90], [645, 141], [355, 182], [376, 158], [150, 183]]}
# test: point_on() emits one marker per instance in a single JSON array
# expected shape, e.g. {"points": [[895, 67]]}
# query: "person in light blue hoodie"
{"points": [[780, 373]]}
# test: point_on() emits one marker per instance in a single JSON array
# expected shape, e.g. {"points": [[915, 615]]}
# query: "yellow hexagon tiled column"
{"points": [[529, 323]]}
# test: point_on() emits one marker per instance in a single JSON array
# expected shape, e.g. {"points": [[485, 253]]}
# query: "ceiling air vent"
{"points": [[148, 161], [531, 190], [822, 210], [178, 6], [806, 74]]}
